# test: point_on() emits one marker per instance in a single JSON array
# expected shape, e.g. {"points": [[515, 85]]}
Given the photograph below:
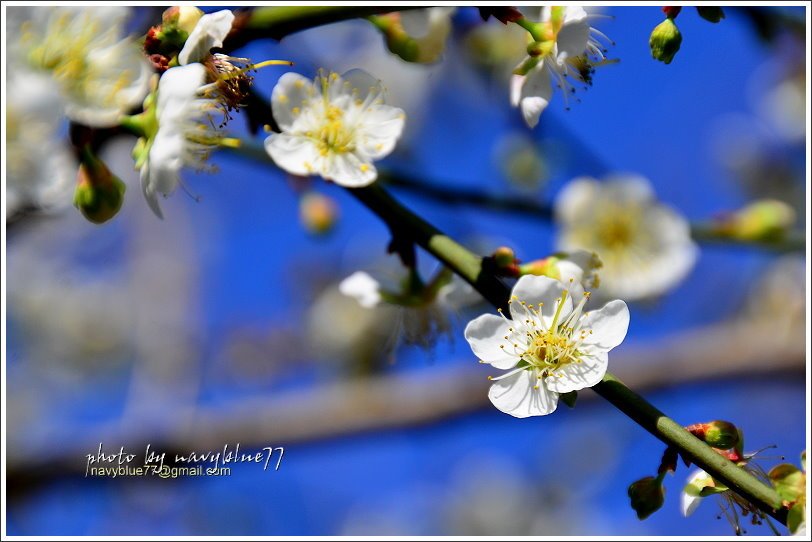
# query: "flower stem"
{"points": [[533, 28], [402, 222]]}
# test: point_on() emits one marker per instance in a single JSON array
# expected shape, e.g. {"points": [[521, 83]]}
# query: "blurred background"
{"points": [[223, 323]]}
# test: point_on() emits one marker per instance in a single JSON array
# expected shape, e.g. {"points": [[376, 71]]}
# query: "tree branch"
{"points": [[470, 267], [277, 22]]}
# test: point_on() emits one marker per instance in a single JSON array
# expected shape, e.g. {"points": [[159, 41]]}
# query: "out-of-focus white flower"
{"points": [[645, 246], [343, 332], [425, 308], [335, 126], [185, 131], [566, 47], [39, 169], [549, 347], [209, 32], [100, 75]]}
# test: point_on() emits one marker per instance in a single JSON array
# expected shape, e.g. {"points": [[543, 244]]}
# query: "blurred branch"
{"points": [[522, 205], [277, 22], [771, 22], [402, 400], [793, 241]]}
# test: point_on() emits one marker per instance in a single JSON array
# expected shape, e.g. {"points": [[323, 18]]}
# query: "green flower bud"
{"points": [[647, 496], [713, 14], [721, 434], [762, 220], [665, 41], [504, 257], [789, 481], [99, 194]]}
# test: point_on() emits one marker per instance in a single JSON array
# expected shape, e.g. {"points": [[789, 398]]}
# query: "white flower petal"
{"points": [[209, 32], [295, 154], [149, 193], [628, 188], [575, 200], [690, 498], [573, 38], [348, 170], [516, 85], [363, 288], [609, 325], [516, 395], [380, 127], [364, 85], [577, 376], [177, 88], [485, 333], [542, 292], [288, 98], [536, 94]]}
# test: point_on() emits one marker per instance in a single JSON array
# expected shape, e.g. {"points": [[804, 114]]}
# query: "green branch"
{"points": [[403, 222], [277, 22]]}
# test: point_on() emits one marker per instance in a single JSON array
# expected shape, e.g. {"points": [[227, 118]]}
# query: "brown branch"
{"points": [[403, 400]]}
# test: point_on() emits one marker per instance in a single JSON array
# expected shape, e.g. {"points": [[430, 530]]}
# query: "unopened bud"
{"points": [[578, 267], [99, 194], [763, 220], [170, 36], [717, 434], [318, 213], [504, 257], [665, 41], [183, 18], [713, 14], [721, 434], [647, 496]]}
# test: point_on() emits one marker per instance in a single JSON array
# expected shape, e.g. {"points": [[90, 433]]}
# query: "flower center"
{"points": [[549, 350], [545, 348], [616, 233], [334, 135]]}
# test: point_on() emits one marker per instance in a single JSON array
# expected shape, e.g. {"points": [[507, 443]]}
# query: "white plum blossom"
{"points": [[101, 74], [551, 346], [568, 48], [645, 246], [209, 32], [334, 126], [186, 131]]}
